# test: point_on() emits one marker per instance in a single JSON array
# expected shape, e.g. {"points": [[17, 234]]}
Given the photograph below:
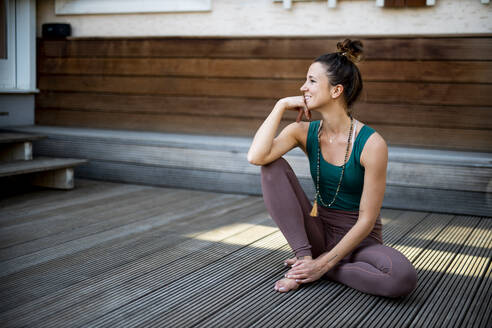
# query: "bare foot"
{"points": [[286, 284]]}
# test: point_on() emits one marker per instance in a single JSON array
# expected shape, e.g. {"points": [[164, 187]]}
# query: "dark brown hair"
{"points": [[341, 68]]}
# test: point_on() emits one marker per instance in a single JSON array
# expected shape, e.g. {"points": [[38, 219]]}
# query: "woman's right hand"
{"points": [[297, 103]]}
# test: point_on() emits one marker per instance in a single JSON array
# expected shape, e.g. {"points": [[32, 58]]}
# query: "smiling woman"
{"points": [[342, 241]]}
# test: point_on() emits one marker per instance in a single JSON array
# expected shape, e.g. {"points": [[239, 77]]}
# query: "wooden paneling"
{"points": [[429, 92], [428, 71], [458, 48], [377, 70], [148, 122], [425, 115], [464, 94], [382, 92], [370, 113]]}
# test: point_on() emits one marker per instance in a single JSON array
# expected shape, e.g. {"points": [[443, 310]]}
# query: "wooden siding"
{"points": [[421, 92]]}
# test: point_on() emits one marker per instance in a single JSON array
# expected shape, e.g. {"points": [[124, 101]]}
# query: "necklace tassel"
{"points": [[314, 211]]}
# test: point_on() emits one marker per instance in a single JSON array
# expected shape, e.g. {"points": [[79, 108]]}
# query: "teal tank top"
{"points": [[353, 179]]}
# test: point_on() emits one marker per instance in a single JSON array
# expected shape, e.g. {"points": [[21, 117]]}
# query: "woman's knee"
{"points": [[402, 282], [268, 171]]}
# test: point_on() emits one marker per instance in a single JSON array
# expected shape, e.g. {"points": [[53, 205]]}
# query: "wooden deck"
{"points": [[119, 255]]}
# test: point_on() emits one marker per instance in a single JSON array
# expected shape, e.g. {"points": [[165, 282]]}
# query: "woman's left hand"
{"points": [[304, 271]]}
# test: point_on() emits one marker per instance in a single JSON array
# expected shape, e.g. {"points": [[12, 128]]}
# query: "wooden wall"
{"points": [[424, 92]]}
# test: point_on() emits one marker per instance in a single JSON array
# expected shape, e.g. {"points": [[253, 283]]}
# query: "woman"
{"points": [[339, 237]]}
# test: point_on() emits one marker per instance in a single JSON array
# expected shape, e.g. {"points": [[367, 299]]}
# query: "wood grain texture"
{"points": [[438, 116], [228, 86], [424, 175], [382, 113], [429, 48], [221, 259], [465, 139], [382, 92], [371, 70], [38, 165]]}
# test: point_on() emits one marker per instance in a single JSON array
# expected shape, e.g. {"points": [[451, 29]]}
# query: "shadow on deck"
{"points": [[118, 255]]}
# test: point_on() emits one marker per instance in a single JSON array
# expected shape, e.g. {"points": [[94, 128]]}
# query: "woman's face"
{"points": [[317, 90]]}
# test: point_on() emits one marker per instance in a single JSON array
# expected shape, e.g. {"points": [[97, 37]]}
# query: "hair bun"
{"points": [[351, 49]]}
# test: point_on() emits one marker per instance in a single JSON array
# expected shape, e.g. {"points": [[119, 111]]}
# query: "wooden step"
{"points": [[45, 172], [14, 137], [436, 180], [16, 146]]}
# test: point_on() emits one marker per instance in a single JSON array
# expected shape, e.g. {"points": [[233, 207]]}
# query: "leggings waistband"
{"points": [[342, 221]]}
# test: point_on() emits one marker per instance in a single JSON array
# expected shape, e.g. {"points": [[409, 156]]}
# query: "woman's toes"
{"points": [[285, 284], [290, 261]]}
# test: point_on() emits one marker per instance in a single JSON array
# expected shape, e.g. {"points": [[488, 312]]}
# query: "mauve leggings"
{"points": [[371, 268]]}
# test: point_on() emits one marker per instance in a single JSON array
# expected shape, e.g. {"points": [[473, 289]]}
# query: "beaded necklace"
{"points": [[314, 211]]}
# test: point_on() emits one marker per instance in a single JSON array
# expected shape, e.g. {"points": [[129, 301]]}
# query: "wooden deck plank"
{"points": [[431, 265], [479, 314], [167, 255], [38, 225], [37, 165], [352, 300], [343, 308], [463, 278], [264, 302], [111, 253], [125, 207], [35, 198], [242, 285], [47, 199], [13, 137], [298, 314], [239, 284], [196, 312], [167, 286], [108, 249], [74, 228], [214, 264]]}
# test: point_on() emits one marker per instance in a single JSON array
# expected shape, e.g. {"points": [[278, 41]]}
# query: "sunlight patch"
{"points": [[242, 233]]}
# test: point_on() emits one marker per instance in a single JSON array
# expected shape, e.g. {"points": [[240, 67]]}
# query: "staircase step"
{"points": [[44, 172], [17, 146], [38, 165], [14, 137]]}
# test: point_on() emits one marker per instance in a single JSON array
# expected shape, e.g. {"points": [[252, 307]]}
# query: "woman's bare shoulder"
{"points": [[302, 129], [375, 150]]}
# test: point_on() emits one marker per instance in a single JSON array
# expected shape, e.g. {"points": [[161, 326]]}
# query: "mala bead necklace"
{"points": [[314, 211]]}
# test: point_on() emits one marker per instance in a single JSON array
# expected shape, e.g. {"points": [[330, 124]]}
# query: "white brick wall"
{"points": [[266, 18]]}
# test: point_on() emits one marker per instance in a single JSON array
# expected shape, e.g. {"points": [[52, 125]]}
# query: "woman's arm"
{"points": [[374, 158], [265, 148]]}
